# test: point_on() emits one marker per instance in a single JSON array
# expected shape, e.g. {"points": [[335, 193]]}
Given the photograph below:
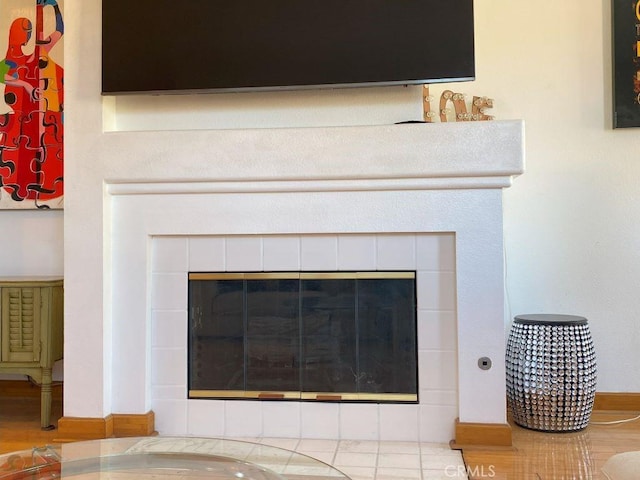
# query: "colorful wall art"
{"points": [[626, 63], [31, 106]]}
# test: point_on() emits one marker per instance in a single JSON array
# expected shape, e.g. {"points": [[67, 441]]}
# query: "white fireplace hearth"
{"points": [[155, 205]]}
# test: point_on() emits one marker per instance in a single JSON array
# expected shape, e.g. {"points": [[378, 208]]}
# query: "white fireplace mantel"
{"points": [[442, 155], [416, 178]]}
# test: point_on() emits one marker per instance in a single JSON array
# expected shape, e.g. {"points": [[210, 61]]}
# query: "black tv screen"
{"points": [[182, 46]]}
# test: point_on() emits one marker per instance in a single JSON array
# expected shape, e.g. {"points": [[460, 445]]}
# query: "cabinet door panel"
{"points": [[21, 324]]}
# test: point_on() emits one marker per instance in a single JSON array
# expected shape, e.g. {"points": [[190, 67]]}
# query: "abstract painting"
{"points": [[626, 63], [31, 105]]}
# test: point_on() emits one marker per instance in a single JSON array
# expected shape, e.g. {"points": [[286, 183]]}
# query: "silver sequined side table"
{"points": [[551, 372]]}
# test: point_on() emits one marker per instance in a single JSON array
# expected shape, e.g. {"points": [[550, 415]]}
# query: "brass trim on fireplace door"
{"points": [[301, 275], [244, 394], [360, 397], [318, 396], [374, 275], [272, 276], [217, 276], [355, 275]]}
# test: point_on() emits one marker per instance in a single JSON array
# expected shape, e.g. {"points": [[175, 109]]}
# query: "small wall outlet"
{"points": [[484, 363]]}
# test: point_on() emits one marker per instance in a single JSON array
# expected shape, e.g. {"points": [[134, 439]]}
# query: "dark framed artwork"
{"points": [[626, 63], [31, 104]]}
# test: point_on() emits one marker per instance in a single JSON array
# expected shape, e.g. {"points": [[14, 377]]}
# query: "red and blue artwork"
{"points": [[31, 127]]}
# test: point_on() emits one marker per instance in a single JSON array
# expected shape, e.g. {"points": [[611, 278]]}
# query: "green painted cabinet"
{"points": [[31, 332]]}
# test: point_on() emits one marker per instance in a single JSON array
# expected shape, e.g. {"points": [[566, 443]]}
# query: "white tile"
{"points": [[442, 462], [168, 392], [435, 448], [359, 473], [451, 472], [436, 290], [437, 370], [275, 467], [355, 459], [398, 474], [359, 421], [206, 418], [436, 252], [308, 471], [206, 254], [170, 416], [400, 447], [437, 330], [437, 423], [281, 253], [399, 422], [396, 252], [243, 418], [281, 419], [247, 438], [399, 460], [169, 291], [319, 420], [326, 457], [286, 443], [357, 252], [169, 366], [239, 451], [359, 446], [317, 445], [319, 252], [269, 457], [244, 254], [169, 328], [447, 398], [169, 255]]}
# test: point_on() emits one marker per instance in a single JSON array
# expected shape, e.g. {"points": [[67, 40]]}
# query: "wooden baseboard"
{"points": [[71, 429], [484, 435], [621, 401], [137, 425]]}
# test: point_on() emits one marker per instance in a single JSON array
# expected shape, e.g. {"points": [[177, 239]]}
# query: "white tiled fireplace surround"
{"points": [[420, 196], [431, 255]]}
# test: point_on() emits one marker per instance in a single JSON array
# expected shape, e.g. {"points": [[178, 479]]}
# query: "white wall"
{"points": [[32, 242], [571, 229]]}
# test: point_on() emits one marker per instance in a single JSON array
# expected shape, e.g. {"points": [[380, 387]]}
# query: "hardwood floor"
{"points": [[534, 455], [20, 416], [557, 456]]}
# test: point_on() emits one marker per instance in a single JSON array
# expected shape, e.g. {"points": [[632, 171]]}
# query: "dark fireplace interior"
{"points": [[324, 336]]}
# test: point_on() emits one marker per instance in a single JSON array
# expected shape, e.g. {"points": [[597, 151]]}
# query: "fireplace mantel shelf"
{"points": [[388, 157]]}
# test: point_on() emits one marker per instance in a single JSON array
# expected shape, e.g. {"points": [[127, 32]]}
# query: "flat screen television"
{"points": [[188, 46]]}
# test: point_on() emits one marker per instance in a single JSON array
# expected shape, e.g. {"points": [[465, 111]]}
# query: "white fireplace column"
{"points": [[345, 180]]}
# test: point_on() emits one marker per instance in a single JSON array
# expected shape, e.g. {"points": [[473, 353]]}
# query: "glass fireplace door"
{"points": [[328, 336]]}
